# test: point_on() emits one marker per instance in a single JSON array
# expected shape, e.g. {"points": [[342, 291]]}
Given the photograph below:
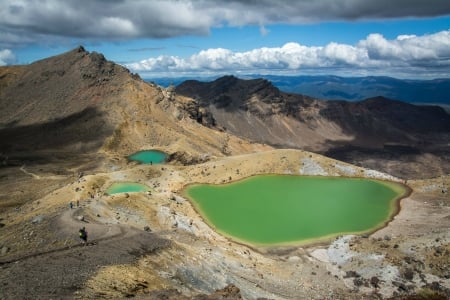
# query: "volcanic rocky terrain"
{"points": [[68, 123], [401, 139]]}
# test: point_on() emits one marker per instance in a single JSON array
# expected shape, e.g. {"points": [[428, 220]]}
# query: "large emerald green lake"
{"points": [[148, 157], [280, 209], [126, 187]]}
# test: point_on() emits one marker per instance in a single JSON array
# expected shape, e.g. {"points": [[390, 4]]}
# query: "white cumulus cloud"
{"points": [[429, 49], [405, 54], [7, 57]]}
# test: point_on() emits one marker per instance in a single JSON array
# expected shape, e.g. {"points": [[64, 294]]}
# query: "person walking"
{"points": [[83, 235]]}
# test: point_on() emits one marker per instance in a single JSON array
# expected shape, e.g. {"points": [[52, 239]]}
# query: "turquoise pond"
{"points": [[126, 187], [149, 157], [281, 209]]}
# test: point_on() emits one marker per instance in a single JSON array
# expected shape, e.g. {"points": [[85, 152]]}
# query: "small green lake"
{"points": [[273, 210], [148, 157], [126, 187]]}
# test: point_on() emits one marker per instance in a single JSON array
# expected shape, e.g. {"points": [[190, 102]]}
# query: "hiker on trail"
{"points": [[83, 235], [71, 205], [78, 203]]}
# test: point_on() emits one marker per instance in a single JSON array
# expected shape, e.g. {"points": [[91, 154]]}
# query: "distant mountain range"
{"points": [[436, 91]]}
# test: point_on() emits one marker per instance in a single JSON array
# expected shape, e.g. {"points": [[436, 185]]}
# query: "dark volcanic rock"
{"points": [[393, 136]]}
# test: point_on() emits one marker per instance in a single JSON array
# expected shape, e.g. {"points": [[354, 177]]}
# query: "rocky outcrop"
{"points": [[372, 122]]}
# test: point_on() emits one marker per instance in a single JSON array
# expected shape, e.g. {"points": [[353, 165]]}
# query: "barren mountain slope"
{"points": [[374, 130], [79, 97], [68, 113]]}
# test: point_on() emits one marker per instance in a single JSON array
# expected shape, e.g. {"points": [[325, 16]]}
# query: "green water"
{"points": [[277, 209], [148, 157], [126, 187]]}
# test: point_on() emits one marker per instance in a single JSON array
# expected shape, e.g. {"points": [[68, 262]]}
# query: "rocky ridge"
{"points": [[376, 129]]}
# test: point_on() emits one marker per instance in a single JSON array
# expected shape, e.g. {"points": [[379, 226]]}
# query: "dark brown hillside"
{"points": [[53, 121], [73, 112], [389, 135], [80, 98], [53, 103], [408, 117], [85, 128], [231, 93], [54, 88], [388, 121]]}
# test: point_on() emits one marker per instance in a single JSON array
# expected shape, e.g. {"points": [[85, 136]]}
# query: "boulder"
{"points": [[37, 219], [4, 250]]}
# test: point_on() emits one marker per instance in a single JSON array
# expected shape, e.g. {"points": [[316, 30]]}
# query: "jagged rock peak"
{"points": [[71, 57], [231, 81], [80, 49], [226, 80], [229, 87]]}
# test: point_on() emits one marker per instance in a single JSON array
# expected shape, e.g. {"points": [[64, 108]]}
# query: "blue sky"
{"points": [[402, 38]]}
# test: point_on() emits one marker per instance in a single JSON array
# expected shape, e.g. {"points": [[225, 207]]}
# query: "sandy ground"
{"points": [[155, 245]]}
